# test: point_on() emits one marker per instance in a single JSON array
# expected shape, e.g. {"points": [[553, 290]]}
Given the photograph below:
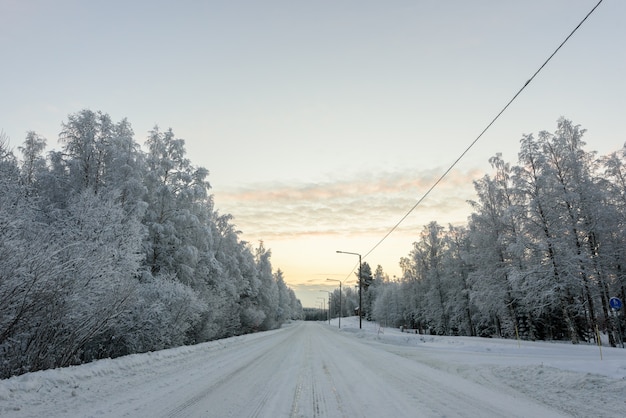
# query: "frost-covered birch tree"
{"points": [[107, 250]]}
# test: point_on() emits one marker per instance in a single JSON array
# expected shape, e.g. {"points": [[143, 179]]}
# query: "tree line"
{"points": [[107, 249], [542, 253]]}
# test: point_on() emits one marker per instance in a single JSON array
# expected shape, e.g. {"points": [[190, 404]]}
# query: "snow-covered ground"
{"points": [[317, 370], [579, 380]]}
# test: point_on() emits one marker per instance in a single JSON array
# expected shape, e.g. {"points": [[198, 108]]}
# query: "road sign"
{"points": [[615, 303]]}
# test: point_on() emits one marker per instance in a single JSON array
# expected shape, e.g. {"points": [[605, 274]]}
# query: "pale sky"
{"points": [[321, 122]]}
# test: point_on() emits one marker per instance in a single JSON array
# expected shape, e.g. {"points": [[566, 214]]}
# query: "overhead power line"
{"points": [[482, 133]]}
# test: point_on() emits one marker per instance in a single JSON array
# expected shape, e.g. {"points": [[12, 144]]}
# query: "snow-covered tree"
{"points": [[541, 255], [106, 250], [34, 163], [268, 298]]}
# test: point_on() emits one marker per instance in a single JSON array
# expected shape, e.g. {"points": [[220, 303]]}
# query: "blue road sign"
{"points": [[615, 303]]}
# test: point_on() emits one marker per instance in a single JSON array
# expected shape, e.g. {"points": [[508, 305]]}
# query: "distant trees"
{"points": [[107, 250], [349, 302], [541, 255]]}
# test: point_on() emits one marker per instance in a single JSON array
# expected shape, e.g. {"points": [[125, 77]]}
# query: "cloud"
{"points": [[367, 204]]}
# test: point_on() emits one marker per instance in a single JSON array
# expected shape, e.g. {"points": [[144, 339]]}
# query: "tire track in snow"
{"points": [[181, 409], [314, 391], [334, 391], [304, 377]]}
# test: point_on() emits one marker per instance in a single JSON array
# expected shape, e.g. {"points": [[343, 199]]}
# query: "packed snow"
{"points": [[310, 369]]}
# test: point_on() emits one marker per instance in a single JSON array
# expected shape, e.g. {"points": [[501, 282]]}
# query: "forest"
{"points": [[108, 250], [543, 252]]}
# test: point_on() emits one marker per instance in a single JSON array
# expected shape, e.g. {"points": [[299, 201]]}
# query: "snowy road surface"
{"points": [[315, 370]]}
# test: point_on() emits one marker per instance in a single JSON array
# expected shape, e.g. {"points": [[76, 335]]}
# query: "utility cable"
{"points": [[482, 133]]}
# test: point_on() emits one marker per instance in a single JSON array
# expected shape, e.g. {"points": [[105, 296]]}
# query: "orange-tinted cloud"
{"points": [[369, 204]]}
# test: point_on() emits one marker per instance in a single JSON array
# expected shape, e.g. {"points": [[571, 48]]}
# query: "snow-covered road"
{"points": [[315, 370]]}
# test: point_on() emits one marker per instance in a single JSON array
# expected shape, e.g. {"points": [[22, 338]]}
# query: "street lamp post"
{"points": [[360, 285], [328, 304], [323, 305], [340, 311]]}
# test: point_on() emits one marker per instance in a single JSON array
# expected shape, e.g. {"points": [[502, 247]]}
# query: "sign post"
{"points": [[616, 306], [615, 303]]}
